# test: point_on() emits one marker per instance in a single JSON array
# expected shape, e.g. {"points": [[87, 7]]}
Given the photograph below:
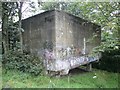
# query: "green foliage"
{"points": [[23, 62], [54, 5], [110, 61], [13, 35], [10, 33]]}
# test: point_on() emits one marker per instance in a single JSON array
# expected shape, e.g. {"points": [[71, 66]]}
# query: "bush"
{"points": [[23, 62], [110, 61]]}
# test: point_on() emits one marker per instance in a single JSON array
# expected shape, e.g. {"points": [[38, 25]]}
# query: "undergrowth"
{"points": [[22, 62]]}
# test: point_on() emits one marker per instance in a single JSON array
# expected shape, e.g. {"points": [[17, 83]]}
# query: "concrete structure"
{"points": [[65, 41]]}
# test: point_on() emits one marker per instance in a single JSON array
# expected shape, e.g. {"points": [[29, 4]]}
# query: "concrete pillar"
{"points": [[89, 67]]}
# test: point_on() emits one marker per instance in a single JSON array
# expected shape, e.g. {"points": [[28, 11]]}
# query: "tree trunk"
{"points": [[20, 30], [4, 28]]}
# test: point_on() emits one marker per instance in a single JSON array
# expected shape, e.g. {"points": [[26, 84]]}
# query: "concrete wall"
{"points": [[38, 30], [65, 31], [71, 32]]}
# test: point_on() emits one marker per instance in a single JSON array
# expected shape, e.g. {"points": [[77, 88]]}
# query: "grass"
{"points": [[0, 76], [0, 71], [17, 79]]}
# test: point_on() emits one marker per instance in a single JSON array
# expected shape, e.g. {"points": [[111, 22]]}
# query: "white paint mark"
{"points": [[84, 48]]}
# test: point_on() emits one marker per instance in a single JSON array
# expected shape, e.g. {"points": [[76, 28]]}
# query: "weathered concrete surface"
{"points": [[58, 35], [38, 30], [71, 32]]}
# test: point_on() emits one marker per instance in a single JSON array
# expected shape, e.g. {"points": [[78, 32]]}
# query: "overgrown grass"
{"points": [[17, 79]]}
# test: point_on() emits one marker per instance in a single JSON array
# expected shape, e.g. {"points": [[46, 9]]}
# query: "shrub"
{"points": [[110, 61], [23, 62]]}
